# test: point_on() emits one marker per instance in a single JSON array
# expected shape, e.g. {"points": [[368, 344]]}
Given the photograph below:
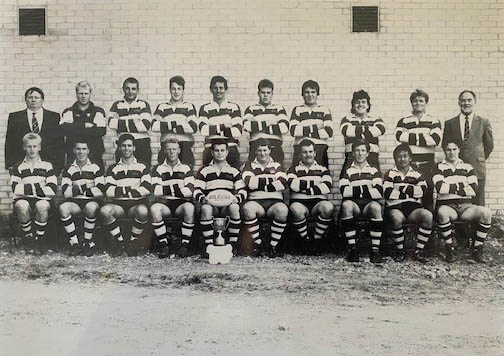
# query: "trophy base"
{"points": [[219, 254]]}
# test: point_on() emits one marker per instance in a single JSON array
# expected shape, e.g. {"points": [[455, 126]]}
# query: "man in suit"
{"points": [[473, 134], [38, 120]]}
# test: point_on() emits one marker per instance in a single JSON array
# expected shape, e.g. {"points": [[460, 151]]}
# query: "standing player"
{"points": [[310, 183], [34, 184], [265, 181], [422, 133], [266, 120], [83, 183], [127, 186], [172, 184], [178, 119], [312, 121], [404, 187], [456, 185], [362, 188], [219, 174], [133, 116], [221, 119]]}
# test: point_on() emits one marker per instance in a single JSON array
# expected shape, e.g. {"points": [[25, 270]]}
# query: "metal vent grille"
{"points": [[365, 19], [32, 22]]}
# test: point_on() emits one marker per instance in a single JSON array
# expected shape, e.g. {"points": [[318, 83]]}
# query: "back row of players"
{"points": [[129, 181]]}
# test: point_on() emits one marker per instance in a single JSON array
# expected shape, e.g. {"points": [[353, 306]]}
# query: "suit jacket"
{"points": [[52, 139], [478, 147]]}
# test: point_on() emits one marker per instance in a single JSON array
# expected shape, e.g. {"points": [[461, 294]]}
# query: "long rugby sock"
{"points": [[207, 231], [26, 227], [398, 237], [137, 228], [234, 230], [69, 226], [89, 226], [375, 232], [115, 230], [445, 230], [481, 233], [302, 228], [40, 228], [277, 229], [422, 237], [252, 227], [187, 231], [350, 230], [160, 231], [321, 226]]}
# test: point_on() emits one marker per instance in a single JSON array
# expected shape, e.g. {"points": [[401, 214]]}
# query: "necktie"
{"points": [[35, 127], [466, 129]]}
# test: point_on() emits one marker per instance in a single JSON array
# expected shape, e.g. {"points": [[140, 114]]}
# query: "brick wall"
{"points": [[439, 46]]}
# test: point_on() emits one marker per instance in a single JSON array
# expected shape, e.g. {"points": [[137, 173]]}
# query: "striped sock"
{"points": [[115, 231], [40, 228], [375, 232], [26, 228], [321, 227], [234, 229], [160, 232], [187, 231], [277, 229], [302, 228], [398, 237], [89, 226], [481, 233], [422, 237], [69, 226], [445, 230], [207, 231], [253, 228], [137, 228], [350, 230]]}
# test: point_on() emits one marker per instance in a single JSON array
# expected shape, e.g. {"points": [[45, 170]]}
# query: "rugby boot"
{"points": [[477, 254], [449, 253], [375, 256], [353, 255]]}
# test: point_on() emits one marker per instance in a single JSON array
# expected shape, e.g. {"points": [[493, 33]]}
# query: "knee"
{"points": [[206, 212], [22, 206], [443, 215], [486, 215], [63, 211], [141, 212], [156, 213], [107, 212], [42, 206], [234, 211], [347, 207], [188, 211], [426, 218], [249, 212], [396, 218], [326, 210], [297, 212], [281, 213], [90, 209], [375, 210]]}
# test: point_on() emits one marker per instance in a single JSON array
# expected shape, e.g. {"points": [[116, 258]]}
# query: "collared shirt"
{"points": [[134, 118], [268, 122], [400, 188], [361, 182], [264, 181], [314, 123], [211, 177], [35, 180], [172, 183], [455, 181], [222, 120], [39, 114], [90, 177], [133, 177], [368, 129], [178, 118], [421, 134], [307, 183], [462, 122]]}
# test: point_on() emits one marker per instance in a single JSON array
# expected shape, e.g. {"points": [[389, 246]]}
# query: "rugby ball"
{"points": [[220, 198]]}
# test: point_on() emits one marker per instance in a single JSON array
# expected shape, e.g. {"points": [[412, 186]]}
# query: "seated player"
{"points": [[309, 184], [456, 185], [127, 187], [219, 174], [362, 188], [172, 184], [404, 189], [34, 184], [265, 181], [83, 183]]}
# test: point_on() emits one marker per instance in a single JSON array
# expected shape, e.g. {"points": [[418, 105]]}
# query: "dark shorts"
{"points": [[33, 201], [128, 204], [82, 202], [459, 207], [172, 204], [362, 203], [309, 203], [267, 203], [406, 208]]}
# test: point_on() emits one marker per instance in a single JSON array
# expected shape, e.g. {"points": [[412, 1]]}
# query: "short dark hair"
{"points": [[305, 143], [218, 79], [310, 84], [217, 142], [360, 142], [263, 142], [131, 80], [125, 137], [31, 90], [80, 139], [265, 83], [358, 95], [449, 140], [403, 147], [419, 92], [467, 91], [178, 80]]}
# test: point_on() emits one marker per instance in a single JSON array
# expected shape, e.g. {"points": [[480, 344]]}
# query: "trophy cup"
{"points": [[220, 225]]}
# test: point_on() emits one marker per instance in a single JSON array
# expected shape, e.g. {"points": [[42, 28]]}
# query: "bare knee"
{"points": [[91, 209], [249, 211], [141, 212], [347, 208], [326, 210], [234, 211], [396, 218], [206, 212], [157, 212]]}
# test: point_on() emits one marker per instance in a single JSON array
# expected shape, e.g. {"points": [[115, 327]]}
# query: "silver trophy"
{"points": [[220, 225]]}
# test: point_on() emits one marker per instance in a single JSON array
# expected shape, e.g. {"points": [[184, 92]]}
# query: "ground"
{"points": [[59, 305]]}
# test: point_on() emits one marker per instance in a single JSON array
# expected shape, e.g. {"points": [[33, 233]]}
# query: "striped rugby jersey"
{"points": [[308, 183], [361, 183], [454, 181], [127, 181], [178, 119], [400, 188], [369, 129], [89, 179], [264, 182], [313, 123], [134, 118], [222, 120], [268, 122], [172, 183], [33, 181], [422, 135], [210, 178]]}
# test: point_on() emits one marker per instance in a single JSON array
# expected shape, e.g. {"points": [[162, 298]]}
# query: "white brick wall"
{"points": [[439, 46]]}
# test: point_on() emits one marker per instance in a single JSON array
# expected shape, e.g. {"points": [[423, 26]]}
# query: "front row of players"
{"points": [[258, 189]]}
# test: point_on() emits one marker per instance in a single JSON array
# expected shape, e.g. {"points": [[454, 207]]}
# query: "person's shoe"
{"points": [[257, 251], [133, 248], [375, 256], [117, 248], [164, 251], [449, 253], [29, 243], [74, 250], [477, 254], [40, 247], [235, 248], [316, 247], [89, 248], [420, 256], [273, 252], [353, 255], [400, 255], [183, 251]]}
